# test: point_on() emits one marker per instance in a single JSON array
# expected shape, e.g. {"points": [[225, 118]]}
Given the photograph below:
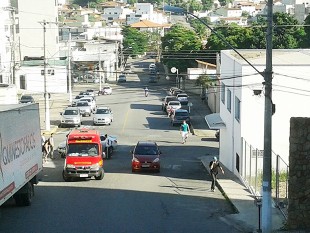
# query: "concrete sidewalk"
{"points": [[247, 213]]}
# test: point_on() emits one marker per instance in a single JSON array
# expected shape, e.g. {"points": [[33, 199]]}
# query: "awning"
{"points": [[215, 121]]}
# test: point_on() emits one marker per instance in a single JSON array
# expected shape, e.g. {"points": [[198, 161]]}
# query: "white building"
{"points": [[30, 76], [93, 53], [115, 13], [6, 42], [144, 9], [242, 112], [31, 15], [229, 12]]}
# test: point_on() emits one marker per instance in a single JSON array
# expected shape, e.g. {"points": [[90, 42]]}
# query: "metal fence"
{"points": [[252, 174]]}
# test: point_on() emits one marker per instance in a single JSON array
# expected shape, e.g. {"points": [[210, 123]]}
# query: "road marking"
{"points": [[125, 122]]}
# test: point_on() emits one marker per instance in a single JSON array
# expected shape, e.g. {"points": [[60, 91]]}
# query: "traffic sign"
{"points": [[173, 70]]}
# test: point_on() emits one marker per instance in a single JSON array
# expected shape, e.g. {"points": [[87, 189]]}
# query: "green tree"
{"points": [[135, 40], [306, 42], [178, 45], [207, 4], [202, 31], [286, 34]]}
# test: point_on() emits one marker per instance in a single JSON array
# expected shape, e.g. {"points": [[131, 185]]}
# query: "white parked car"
{"points": [[103, 115], [91, 100], [152, 66], [109, 144], [71, 117], [172, 106], [85, 108], [106, 90]]}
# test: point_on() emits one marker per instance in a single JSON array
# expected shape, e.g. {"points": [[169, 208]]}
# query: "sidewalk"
{"points": [[247, 217]]}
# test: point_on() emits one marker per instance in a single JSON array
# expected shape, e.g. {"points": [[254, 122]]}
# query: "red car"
{"points": [[145, 156]]}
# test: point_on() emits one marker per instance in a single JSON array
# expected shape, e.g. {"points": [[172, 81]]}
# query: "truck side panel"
{"points": [[20, 147]]}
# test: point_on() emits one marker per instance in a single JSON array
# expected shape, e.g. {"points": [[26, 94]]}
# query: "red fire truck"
{"points": [[84, 155]]}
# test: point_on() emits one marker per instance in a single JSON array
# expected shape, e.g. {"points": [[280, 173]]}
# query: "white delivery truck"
{"points": [[20, 152]]}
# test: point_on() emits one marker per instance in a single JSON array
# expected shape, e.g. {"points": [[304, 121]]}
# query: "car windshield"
{"points": [[102, 111], [88, 149], [25, 97], [82, 104], [174, 103], [181, 114], [146, 150], [71, 112]]}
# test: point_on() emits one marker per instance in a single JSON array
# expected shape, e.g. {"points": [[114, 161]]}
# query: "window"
{"points": [[223, 93], [22, 80], [237, 109], [229, 100]]}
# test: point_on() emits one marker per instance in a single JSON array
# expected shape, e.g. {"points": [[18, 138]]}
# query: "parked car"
{"points": [[25, 99], [106, 90], [145, 156], [166, 100], [91, 101], [183, 98], [103, 115], [172, 106], [152, 66], [172, 89], [71, 117], [121, 78], [91, 92], [85, 108], [62, 149], [109, 144], [180, 115], [76, 99]]}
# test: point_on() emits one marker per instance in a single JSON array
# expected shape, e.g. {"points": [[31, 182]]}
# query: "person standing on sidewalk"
{"points": [[214, 170], [184, 130], [51, 145]]}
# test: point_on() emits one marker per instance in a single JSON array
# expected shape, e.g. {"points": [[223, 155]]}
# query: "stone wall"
{"points": [[299, 174]]}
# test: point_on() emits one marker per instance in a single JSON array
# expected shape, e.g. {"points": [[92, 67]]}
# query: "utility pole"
{"points": [[46, 94], [266, 202], [116, 63], [13, 45], [100, 87], [69, 68]]}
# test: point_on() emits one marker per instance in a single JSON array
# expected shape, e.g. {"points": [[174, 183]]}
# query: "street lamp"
{"points": [[267, 74]]}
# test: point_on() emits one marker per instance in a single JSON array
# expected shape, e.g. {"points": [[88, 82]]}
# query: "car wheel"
{"points": [[100, 177]]}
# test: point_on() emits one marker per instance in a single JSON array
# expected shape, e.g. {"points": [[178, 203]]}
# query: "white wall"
{"points": [[56, 83], [291, 85], [31, 12]]}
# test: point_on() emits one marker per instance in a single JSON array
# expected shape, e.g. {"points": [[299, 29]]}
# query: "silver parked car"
{"points": [[103, 115], [85, 108], [70, 117]]}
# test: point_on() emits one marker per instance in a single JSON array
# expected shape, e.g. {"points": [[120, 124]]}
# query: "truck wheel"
{"points": [[25, 198], [100, 177], [66, 178]]}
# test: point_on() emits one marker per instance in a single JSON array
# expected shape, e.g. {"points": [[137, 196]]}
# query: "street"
{"points": [[178, 199]]}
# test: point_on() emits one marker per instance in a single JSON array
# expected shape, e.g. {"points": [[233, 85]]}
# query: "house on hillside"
{"points": [[149, 26], [242, 104]]}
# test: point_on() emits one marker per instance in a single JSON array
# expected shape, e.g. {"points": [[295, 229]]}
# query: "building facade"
{"points": [[242, 102]]}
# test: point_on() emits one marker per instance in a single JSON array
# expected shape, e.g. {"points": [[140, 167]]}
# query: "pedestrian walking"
{"points": [[214, 170], [184, 130], [43, 139], [45, 150], [51, 146]]}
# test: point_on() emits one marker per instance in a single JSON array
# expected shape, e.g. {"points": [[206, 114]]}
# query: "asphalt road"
{"points": [[175, 200]]}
